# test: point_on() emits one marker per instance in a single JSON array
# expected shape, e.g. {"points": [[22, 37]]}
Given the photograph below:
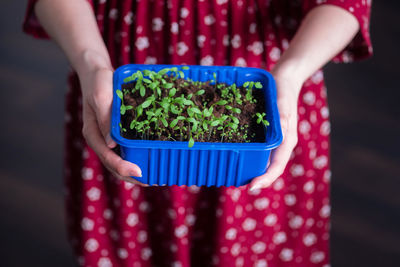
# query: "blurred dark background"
{"points": [[364, 101]]}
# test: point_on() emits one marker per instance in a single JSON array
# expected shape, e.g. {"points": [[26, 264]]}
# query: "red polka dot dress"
{"points": [[113, 223]]}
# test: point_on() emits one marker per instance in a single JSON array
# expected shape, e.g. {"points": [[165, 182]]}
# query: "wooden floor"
{"points": [[364, 101]]}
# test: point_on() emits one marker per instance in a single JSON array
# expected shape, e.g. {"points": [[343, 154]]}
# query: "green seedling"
{"points": [[167, 111], [261, 119]]}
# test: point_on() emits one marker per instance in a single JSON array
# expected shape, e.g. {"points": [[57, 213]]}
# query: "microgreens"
{"points": [[166, 110], [261, 119]]}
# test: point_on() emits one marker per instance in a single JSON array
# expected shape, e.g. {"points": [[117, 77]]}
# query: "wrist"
{"points": [[288, 74], [91, 60], [289, 70]]}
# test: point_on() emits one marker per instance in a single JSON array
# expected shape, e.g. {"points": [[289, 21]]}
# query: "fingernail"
{"points": [[136, 173], [109, 140], [254, 187]]}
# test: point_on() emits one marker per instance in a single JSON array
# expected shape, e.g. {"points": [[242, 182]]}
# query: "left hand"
{"points": [[287, 97]]}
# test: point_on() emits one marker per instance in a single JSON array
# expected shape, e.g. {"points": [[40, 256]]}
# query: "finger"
{"points": [[129, 180], [108, 157], [279, 160], [279, 157], [102, 100]]}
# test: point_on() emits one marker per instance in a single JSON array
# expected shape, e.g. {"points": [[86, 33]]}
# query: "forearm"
{"points": [[73, 26], [324, 32]]}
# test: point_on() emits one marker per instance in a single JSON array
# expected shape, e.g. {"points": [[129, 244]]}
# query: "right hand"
{"points": [[97, 96]]}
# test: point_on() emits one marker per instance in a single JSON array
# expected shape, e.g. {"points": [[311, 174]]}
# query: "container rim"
{"points": [[120, 73]]}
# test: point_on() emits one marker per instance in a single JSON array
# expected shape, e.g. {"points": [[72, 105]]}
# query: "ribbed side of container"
{"points": [[194, 167], [208, 164]]}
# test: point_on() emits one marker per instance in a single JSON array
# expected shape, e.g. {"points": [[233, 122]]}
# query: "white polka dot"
{"points": [[209, 20], [309, 187], [324, 112], [87, 224], [107, 214], [235, 195], [190, 219], [184, 12], [325, 128], [275, 54], [182, 48], [235, 250], [261, 203], [200, 40], [181, 231], [279, 238], [224, 250], [290, 199], [286, 254], [113, 13], [231, 234], [239, 262], [93, 194], [91, 245], [304, 127], [144, 206], [146, 253], [240, 62], [225, 40], [317, 77], [171, 214], [219, 212], [317, 256], [207, 61], [327, 176], [87, 173], [157, 24], [238, 211], [296, 222], [174, 27], [258, 247], [128, 18], [177, 264], [325, 211], [132, 219], [261, 263], [309, 98], [142, 43], [236, 41], [104, 262], [297, 170], [249, 224], [253, 28], [320, 162], [285, 44], [278, 184], [142, 236], [270, 220], [122, 253], [256, 48], [309, 239]]}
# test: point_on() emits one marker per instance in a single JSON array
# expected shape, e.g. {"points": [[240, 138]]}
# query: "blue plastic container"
{"points": [[209, 164]]}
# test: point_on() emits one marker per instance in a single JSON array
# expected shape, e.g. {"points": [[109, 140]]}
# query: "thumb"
{"points": [[102, 98]]}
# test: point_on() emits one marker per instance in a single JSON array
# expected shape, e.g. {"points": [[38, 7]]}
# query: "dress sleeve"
{"points": [[31, 24], [360, 47]]}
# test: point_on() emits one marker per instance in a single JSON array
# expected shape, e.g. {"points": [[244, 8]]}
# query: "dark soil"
{"points": [[248, 130]]}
